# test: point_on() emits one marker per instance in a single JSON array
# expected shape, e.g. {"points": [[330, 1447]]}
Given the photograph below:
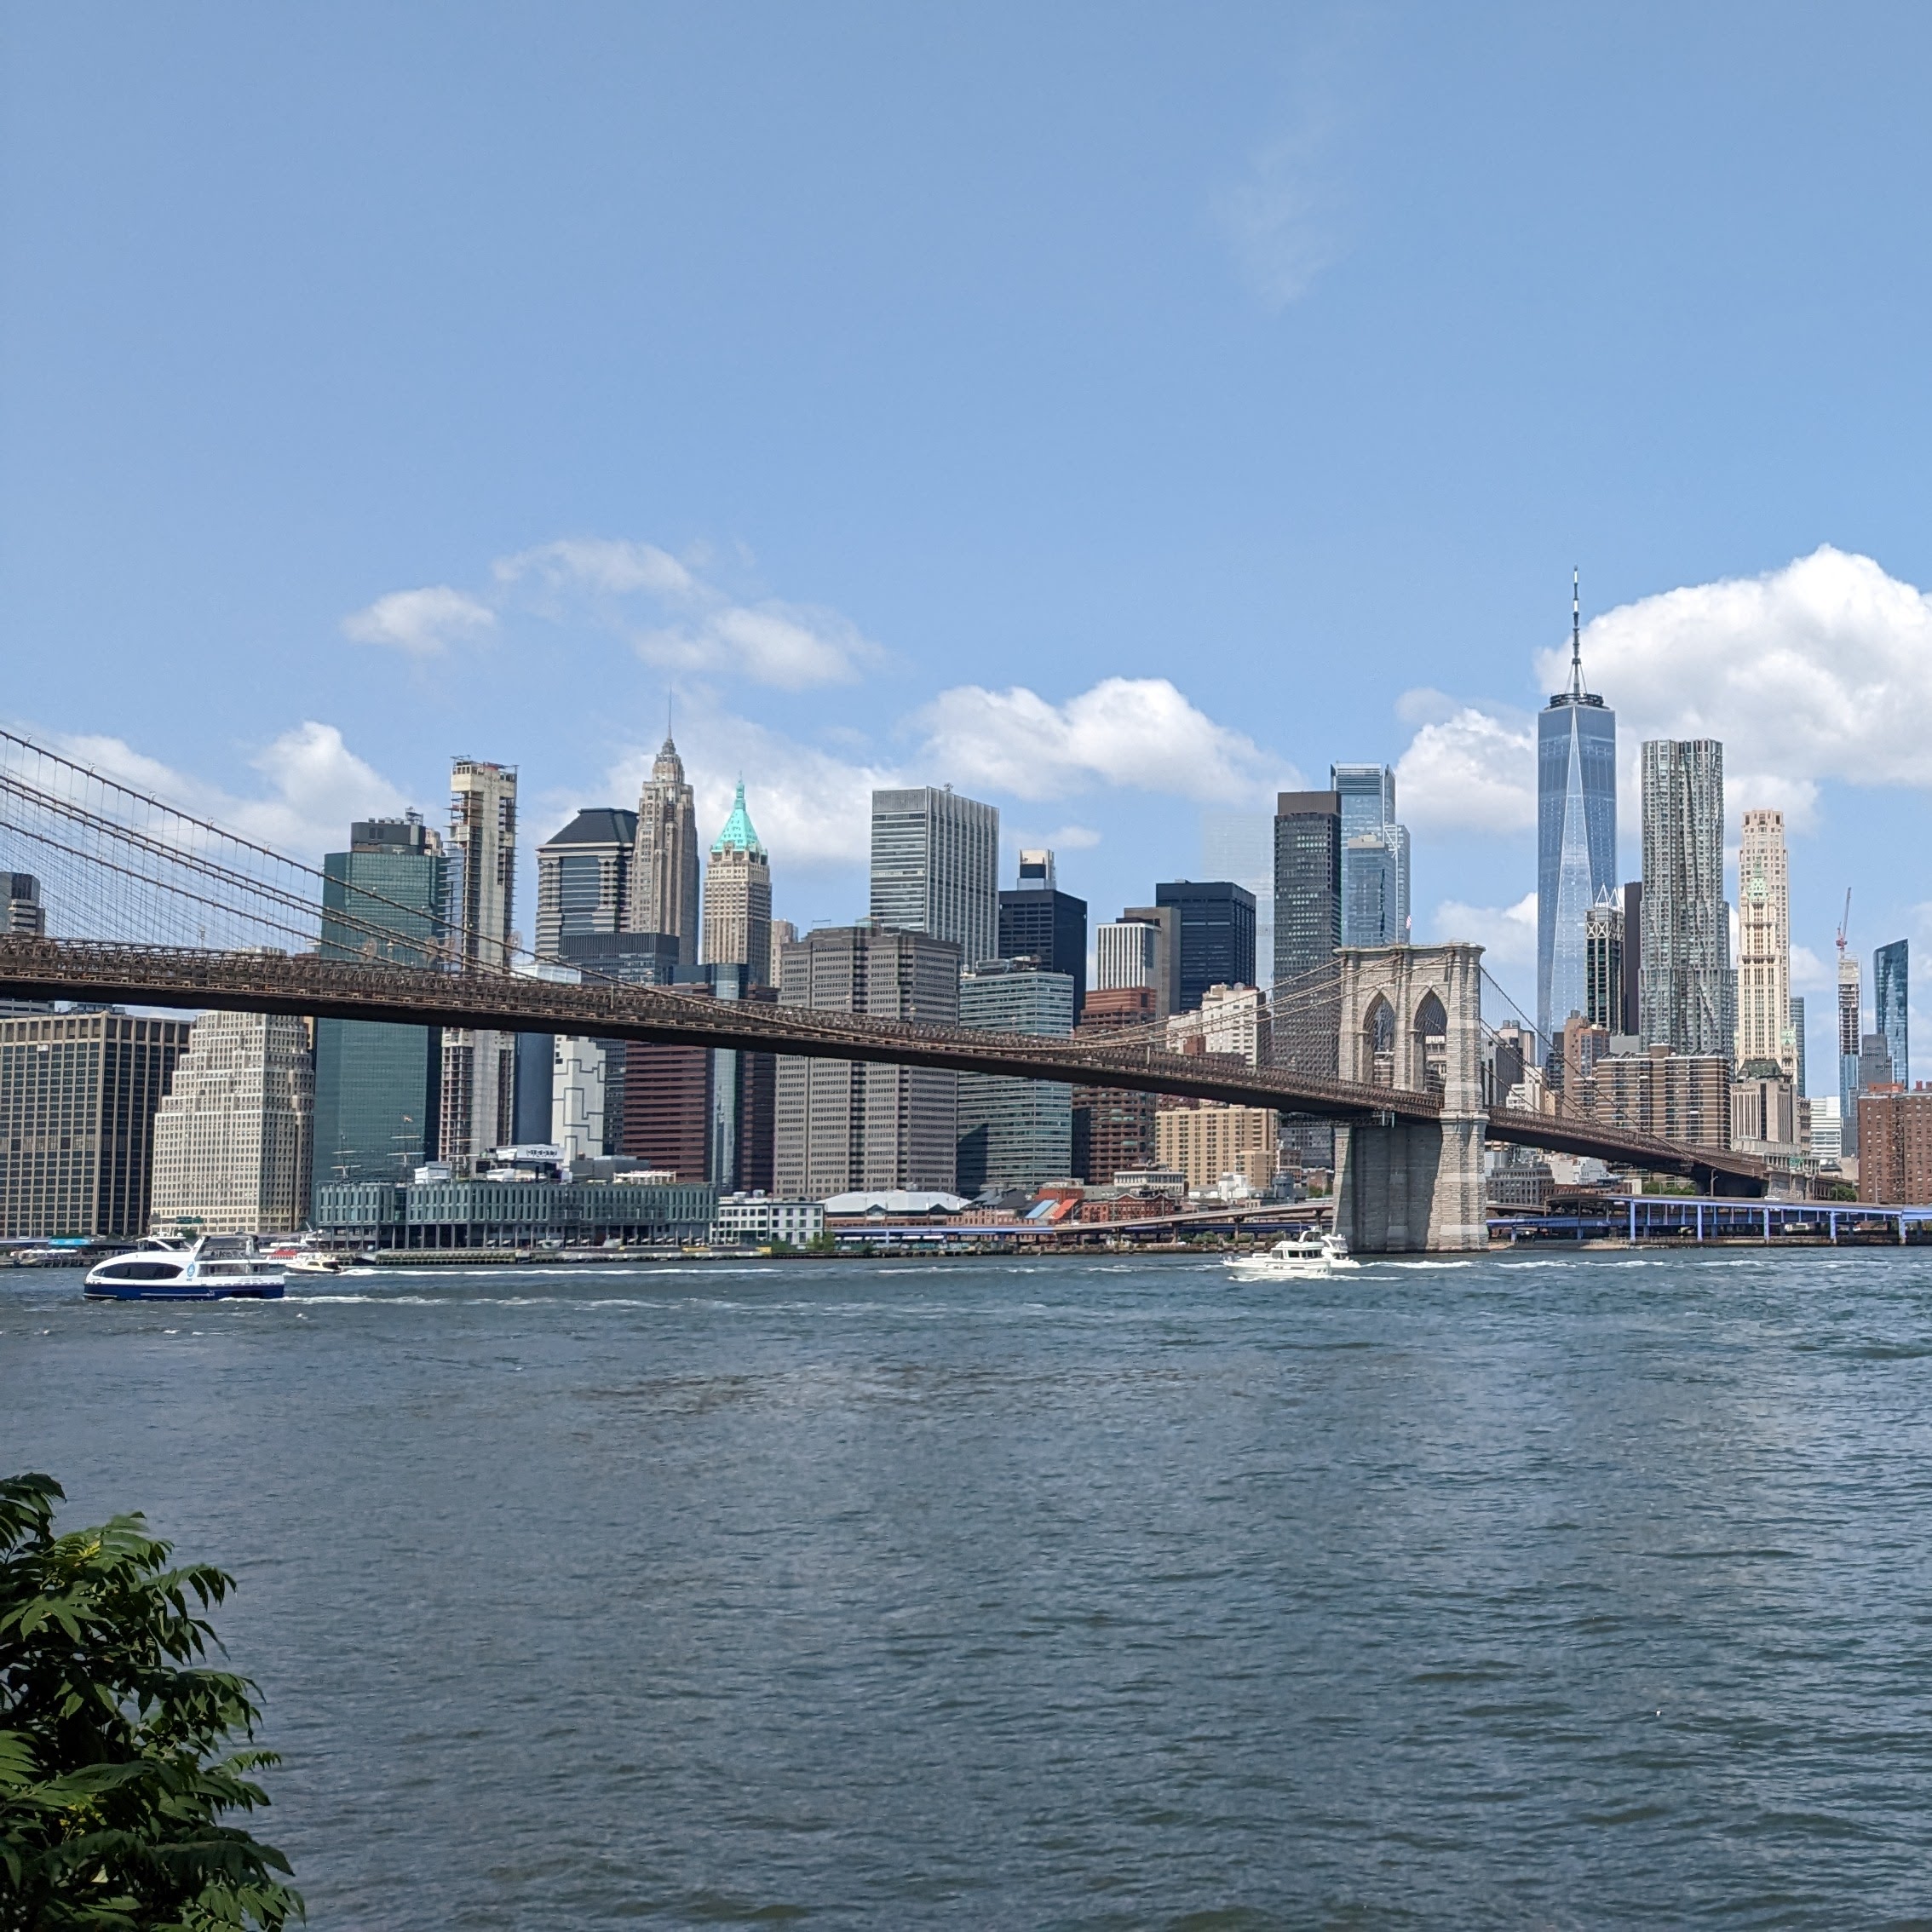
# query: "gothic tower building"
{"points": [[738, 896], [663, 874]]}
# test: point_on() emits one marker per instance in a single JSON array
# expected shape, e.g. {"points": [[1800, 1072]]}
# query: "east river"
{"points": [[1571, 1591]]}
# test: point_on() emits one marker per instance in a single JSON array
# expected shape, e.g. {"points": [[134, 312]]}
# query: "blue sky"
{"points": [[1115, 410]]}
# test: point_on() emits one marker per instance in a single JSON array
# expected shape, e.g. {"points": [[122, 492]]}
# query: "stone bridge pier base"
{"points": [[1412, 1020]]}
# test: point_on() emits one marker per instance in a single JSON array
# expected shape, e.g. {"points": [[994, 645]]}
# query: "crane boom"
{"points": [[1844, 924]]}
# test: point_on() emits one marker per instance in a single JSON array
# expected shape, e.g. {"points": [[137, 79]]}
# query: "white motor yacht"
{"points": [[1298, 1257]]}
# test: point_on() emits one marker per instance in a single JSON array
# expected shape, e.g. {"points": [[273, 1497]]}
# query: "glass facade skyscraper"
{"points": [[378, 1087], [1375, 857], [1015, 1133], [936, 868], [1039, 922], [1308, 883], [1576, 836], [1889, 990], [1217, 929]]}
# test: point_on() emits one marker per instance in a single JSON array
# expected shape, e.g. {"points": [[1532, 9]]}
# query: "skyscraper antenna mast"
{"points": [[1576, 632]]}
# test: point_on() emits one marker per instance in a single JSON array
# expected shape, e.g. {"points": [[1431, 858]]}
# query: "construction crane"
{"points": [[1844, 925]]}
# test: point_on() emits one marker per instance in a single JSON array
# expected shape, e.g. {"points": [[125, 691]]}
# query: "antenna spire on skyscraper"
{"points": [[1576, 632]]}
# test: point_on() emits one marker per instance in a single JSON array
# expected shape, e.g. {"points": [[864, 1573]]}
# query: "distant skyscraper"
{"points": [[1576, 820], [1889, 990], [583, 886], [583, 877], [1015, 1133], [844, 1125], [379, 1087], [1633, 959], [1797, 1038], [1689, 995], [21, 910], [1603, 964], [1217, 924], [1165, 923], [1240, 846], [784, 933], [737, 897], [1113, 1130], [1126, 953], [21, 913], [1039, 922], [664, 871], [78, 1093], [936, 868], [1851, 1015], [631, 959], [1375, 857], [478, 1098], [231, 1139], [1308, 883], [1764, 1036]]}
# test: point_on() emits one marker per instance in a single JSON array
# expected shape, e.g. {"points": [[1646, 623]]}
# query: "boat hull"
{"points": [[182, 1291]]}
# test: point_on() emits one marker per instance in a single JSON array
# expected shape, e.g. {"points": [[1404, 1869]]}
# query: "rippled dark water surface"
{"points": [[1578, 1591]]}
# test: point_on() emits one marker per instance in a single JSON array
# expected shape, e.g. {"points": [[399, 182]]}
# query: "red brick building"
{"points": [[1113, 1130], [1894, 1146]]}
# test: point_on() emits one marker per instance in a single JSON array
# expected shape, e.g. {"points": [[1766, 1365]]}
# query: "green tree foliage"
{"points": [[114, 1771]]}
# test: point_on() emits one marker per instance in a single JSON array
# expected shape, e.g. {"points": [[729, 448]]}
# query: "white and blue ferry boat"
{"points": [[218, 1267]]}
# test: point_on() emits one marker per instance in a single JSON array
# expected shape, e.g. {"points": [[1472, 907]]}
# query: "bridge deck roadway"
{"points": [[353, 989]]}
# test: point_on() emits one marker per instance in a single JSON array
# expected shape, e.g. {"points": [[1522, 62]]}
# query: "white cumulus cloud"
{"points": [[789, 645], [1471, 770], [315, 787], [675, 619], [1507, 933], [1817, 672], [424, 622], [612, 566], [1137, 733]]}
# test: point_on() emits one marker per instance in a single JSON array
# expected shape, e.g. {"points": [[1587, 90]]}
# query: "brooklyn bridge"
{"points": [[150, 906]]}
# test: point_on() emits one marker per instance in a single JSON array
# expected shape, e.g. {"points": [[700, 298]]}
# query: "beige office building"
{"points": [[232, 1139], [1209, 1140], [478, 1094], [1765, 1034]]}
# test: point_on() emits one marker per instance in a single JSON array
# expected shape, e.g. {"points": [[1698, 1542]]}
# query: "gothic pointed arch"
{"points": [[1431, 1031], [1378, 1041]]}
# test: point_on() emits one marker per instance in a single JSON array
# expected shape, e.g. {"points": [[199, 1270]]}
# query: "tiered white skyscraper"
{"points": [[1765, 1035], [479, 1066]]}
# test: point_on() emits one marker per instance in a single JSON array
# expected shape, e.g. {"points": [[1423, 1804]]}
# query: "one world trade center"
{"points": [[1576, 833]]}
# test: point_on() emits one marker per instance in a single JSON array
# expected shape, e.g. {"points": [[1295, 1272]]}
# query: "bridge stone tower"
{"points": [[1411, 1019]]}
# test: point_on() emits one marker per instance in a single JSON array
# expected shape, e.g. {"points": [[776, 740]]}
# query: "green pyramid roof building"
{"points": [[739, 834]]}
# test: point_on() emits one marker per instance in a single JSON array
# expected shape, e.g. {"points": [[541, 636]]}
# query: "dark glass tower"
{"points": [[1040, 922], [1308, 883], [1576, 834], [378, 1087], [1217, 936], [1889, 988]]}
